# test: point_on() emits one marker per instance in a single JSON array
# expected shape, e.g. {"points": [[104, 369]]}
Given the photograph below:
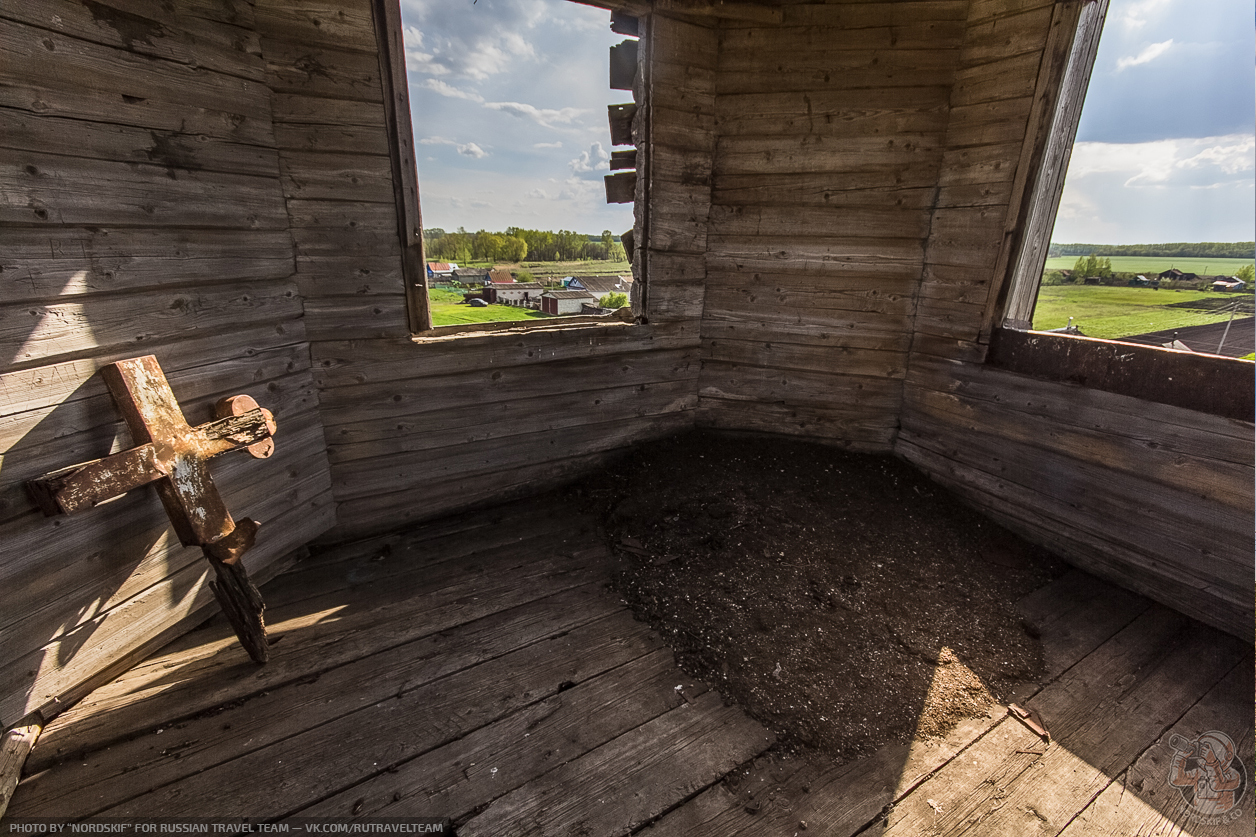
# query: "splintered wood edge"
{"points": [[16, 746]]}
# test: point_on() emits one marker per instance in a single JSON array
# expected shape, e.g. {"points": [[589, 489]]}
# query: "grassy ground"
{"points": [[448, 310], [1158, 264], [1109, 313]]}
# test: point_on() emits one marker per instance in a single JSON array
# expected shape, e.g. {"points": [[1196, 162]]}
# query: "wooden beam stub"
{"points": [[624, 159], [622, 187], [623, 65], [621, 117], [623, 23]]}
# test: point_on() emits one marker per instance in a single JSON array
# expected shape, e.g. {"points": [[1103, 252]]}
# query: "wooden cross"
{"points": [[174, 456]]}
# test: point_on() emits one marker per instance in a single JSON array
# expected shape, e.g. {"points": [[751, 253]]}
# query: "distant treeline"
{"points": [[515, 244], [1203, 250]]}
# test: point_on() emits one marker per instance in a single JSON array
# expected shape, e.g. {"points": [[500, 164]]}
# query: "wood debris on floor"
{"points": [[479, 668]]}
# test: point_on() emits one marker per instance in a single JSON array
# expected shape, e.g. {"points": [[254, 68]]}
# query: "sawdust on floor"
{"points": [[844, 600]]}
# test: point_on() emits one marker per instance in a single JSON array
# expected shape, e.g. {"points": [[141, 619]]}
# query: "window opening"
{"points": [[528, 192], [1161, 153]]}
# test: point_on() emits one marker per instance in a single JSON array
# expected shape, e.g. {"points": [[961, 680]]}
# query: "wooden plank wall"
{"points": [[142, 212], [830, 140], [1156, 498], [417, 429]]}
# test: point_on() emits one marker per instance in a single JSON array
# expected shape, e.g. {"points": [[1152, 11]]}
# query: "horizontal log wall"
{"points": [[830, 140], [419, 428], [142, 211], [1157, 498]]}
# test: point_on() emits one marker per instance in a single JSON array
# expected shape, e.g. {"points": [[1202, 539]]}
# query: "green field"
{"points": [[447, 309], [1158, 264], [1113, 312], [542, 271]]}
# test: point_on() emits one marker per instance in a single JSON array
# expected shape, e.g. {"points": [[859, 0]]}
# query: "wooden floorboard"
{"points": [[492, 761], [629, 781], [1143, 802], [313, 764], [1102, 713], [107, 777], [337, 631], [478, 668]]}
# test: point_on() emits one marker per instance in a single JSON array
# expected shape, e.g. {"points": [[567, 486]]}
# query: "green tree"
{"points": [[514, 249], [1087, 267], [615, 300], [1247, 273]]}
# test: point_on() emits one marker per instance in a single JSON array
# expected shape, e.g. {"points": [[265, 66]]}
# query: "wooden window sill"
{"points": [[1213, 384], [443, 334]]}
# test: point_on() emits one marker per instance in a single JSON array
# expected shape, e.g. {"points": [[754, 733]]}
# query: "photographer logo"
{"points": [[1209, 777]]}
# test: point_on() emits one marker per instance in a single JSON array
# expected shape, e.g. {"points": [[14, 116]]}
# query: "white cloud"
{"points": [[1136, 15], [539, 194], [595, 158], [1149, 54], [1192, 189], [546, 117], [451, 91], [1231, 154], [468, 149], [1165, 161], [417, 59], [468, 40], [576, 189], [557, 144]]}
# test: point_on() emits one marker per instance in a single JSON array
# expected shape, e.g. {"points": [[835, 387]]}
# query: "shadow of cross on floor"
{"points": [[173, 456]]}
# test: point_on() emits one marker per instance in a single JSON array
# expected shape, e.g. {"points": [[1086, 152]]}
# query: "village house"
{"points": [[566, 302], [471, 277], [440, 270], [216, 326], [599, 286], [512, 292]]}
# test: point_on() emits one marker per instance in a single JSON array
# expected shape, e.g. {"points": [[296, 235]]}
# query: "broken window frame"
{"points": [[1207, 383], [388, 28]]}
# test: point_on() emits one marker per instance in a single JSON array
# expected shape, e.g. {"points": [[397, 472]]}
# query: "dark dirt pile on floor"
{"points": [[844, 600]]}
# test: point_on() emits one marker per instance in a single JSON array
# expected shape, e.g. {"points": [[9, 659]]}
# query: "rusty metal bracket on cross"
{"points": [[174, 456]]}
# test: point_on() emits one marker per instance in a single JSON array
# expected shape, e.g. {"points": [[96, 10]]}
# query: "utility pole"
{"points": [[1226, 333]]}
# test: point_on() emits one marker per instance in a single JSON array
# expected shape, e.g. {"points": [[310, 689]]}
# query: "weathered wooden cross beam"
{"points": [[174, 456]]}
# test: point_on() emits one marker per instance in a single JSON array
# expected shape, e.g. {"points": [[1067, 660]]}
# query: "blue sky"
{"points": [[1166, 145], [508, 100], [509, 106]]}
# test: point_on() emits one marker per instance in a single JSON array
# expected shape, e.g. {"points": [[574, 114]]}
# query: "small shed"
{"points": [[440, 269], [472, 277], [566, 302], [501, 275], [1231, 284]]}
